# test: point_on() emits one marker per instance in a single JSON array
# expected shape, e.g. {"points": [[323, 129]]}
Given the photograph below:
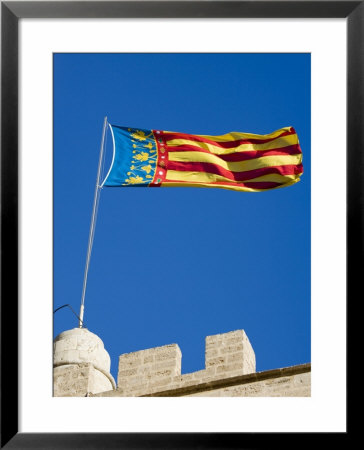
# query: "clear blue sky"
{"points": [[173, 265]]}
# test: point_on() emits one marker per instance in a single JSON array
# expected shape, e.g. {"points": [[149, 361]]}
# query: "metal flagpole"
{"points": [[93, 222]]}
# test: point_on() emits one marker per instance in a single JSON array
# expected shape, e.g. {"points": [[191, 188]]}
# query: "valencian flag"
{"points": [[238, 161]]}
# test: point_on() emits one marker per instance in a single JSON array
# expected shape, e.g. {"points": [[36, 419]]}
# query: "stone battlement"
{"points": [[147, 371], [230, 370]]}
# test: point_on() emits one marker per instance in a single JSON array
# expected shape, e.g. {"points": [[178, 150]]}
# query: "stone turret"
{"points": [[81, 365]]}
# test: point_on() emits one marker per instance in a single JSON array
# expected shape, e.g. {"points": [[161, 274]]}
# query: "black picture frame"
{"points": [[11, 12]]}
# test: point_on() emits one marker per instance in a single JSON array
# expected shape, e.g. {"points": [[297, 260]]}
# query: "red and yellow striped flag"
{"points": [[238, 161]]}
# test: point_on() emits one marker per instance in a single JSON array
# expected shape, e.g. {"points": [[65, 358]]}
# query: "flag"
{"points": [[238, 161]]}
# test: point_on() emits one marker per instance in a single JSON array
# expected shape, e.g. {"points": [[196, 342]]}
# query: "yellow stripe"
{"points": [[285, 141], [232, 188], [223, 186], [234, 135], [275, 177], [205, 177], [237, 166]]}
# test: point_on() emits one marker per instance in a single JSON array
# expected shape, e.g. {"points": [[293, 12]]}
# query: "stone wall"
{"points": [[289, 385], [292, 381]]}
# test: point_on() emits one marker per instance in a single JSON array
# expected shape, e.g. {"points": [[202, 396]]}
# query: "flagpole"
{"points": [[93, 223]]}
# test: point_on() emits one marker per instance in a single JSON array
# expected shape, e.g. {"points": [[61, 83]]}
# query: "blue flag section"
{"points": [[134, 157]]}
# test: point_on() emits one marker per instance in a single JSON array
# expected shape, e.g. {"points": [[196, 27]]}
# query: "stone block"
{"points": [[216, 361], [148, 359], [232, 348], [226, 368], [239, 356], [129, 363]]}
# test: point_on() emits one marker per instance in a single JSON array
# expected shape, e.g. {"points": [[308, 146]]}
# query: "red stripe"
{"points": [[243, 155], [234, 176], [227, 144]]}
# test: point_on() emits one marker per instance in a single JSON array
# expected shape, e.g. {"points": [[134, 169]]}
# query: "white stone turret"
{"points": [[81, 365]]}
